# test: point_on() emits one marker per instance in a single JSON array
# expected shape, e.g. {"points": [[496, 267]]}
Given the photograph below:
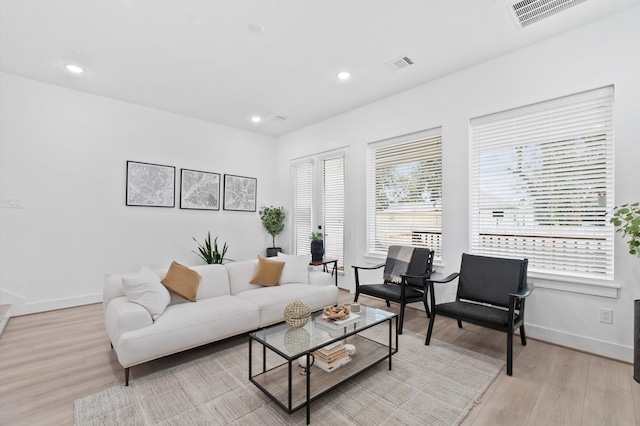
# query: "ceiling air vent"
{"points": [[400, 63], [527, 12]]}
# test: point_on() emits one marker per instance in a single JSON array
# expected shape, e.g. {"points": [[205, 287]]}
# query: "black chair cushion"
{"points": [[389, 291], [475, 313]]}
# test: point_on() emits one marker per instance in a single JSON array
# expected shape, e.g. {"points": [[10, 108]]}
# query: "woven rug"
{"points": [[435, 385]]}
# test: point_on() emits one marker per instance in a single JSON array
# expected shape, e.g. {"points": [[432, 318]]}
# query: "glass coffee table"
{"points": [[279, 366]]}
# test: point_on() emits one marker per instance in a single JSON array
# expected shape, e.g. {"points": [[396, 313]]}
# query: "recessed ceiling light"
{"points": [[254, 28], [74, 68], [344, 75], [256, 119]]}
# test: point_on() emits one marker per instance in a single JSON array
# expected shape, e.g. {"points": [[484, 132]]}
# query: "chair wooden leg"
{"points": [[432, 318], [459, 324], [356, 298], [401, 319], [426, 308], [523, 337], [388, 304], [126, 376], [509, 353]]}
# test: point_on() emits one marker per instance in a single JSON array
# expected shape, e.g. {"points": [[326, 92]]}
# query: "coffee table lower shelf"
{"points": [[275, 382]]}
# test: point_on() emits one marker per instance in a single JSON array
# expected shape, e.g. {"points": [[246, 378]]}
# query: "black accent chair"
{"points": [[491, 293], [412, 287]]}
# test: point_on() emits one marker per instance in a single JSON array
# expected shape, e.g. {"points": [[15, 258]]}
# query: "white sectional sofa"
{"points": [[227, 305]]}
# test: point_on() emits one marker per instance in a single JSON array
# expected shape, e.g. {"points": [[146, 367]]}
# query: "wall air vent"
{"points": [[400, 63], [527, 12]]}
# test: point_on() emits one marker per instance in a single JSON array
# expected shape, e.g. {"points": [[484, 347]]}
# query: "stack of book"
{"points": [[331, 357]]}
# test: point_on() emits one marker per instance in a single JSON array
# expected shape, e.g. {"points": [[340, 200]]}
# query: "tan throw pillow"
{"points": [[182, 281], [267, 272]]}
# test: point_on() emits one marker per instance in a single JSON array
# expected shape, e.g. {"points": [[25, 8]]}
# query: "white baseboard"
{"points": [[581, 343], [572, 341], [20, 307]]}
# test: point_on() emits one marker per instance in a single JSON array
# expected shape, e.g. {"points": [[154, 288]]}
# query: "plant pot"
{"points": [[636, 340], [273, 251], [317, 250]]}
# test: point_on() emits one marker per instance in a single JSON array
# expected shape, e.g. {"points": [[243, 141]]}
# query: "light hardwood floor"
{"points": [[50, 359]]}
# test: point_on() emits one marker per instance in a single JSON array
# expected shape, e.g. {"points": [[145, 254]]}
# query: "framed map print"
{"points": [[199, 190], [150, 185], [240, 193]]}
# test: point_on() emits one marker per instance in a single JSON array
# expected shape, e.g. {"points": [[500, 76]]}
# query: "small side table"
{"points": [[325, 268]]}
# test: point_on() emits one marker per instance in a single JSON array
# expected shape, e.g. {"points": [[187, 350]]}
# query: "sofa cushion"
{"points": [[188, 325], [272, 300], [182, 281], [267, 272], [296, 269], [145, 289]]}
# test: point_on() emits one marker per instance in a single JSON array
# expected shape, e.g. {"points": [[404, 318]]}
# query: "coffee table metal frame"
{"points": [[279, 382]]}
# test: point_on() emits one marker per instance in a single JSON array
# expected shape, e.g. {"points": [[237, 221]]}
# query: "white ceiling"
{"points": [[198, 57]]}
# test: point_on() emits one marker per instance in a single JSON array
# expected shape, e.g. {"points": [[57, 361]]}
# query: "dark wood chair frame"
{"points": [[479, 313], [399, 294]]}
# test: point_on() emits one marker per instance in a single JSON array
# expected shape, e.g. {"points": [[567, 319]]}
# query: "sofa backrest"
{"points": [[240, 273], [214, 282]]}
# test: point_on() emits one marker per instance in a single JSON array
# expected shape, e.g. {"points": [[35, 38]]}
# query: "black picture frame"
{"points": [[240, 193], [150, 185], [199, 190]]}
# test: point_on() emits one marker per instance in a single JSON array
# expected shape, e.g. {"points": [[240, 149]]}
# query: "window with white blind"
{"points": [[302, 206], [333, 207], [405, 192], [318, 201], [542, 183]]}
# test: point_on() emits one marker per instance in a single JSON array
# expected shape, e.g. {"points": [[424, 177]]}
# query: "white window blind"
{"points": [[301, 216], [405, 193], [542, 182], [333, 208]]}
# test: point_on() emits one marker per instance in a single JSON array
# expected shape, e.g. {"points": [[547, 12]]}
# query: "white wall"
{"points": [[593, 56], [64, 153]]}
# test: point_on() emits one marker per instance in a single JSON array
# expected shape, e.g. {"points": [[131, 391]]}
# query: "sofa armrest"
{"points": [[121, 316], [320, 278]]}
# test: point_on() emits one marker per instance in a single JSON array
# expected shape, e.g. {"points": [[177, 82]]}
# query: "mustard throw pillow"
{"points": [[182, 281], [267, 272]]}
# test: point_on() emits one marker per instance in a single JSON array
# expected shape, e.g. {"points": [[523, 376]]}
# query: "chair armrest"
{"points": [[446, 280], [423, 276], [368, 267], [528, 288]]}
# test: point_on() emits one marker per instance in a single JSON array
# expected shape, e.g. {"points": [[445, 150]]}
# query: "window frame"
{"points": [[372, 148], [317, 195], [588, 283]]}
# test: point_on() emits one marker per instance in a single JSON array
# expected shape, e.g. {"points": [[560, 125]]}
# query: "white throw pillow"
{"points": [[145, 289], [296, 268]]}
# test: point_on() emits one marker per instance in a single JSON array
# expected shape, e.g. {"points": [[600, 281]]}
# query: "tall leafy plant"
{"points": [[273, 221], [627, 219], [209, 252]]}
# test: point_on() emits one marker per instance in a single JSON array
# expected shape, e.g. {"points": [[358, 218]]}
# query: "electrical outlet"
{"points": [[12, 203], [606, 315]]}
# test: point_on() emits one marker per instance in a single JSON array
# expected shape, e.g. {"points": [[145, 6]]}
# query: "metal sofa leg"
{"points": [[126, 376]]}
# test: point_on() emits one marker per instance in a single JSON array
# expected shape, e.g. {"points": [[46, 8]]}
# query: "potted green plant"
{"points": [[209, 252], [626, 219], [317, 246], [273, 221]]}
